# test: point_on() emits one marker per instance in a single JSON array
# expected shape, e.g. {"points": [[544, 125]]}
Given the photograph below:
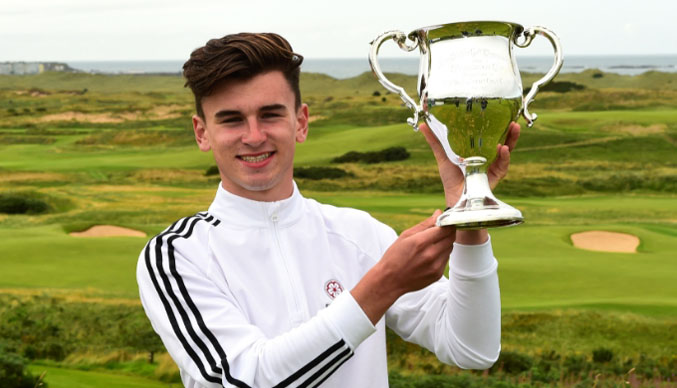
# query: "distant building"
{"points": [[22, 68]]}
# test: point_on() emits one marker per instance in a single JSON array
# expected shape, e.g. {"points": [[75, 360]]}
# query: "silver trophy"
{"points": [[470, 90]]}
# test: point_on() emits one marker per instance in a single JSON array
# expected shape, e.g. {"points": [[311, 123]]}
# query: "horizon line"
{"points": [[324, 58]]}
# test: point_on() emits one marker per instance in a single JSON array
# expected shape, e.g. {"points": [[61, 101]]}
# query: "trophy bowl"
{"points": [[469, 91]]}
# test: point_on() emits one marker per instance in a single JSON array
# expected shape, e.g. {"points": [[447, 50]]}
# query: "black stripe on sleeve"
{"points": [[173, 235], [168, 309], [332, 366], [332, 372], [198, 317], [311, 364], [169, 289]]}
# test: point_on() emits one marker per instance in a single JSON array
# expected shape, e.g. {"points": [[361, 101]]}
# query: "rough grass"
{"points": [[572, 348], [548, 346]]}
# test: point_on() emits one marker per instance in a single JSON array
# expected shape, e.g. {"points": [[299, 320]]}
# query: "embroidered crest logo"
{"points": [[333, 288]]}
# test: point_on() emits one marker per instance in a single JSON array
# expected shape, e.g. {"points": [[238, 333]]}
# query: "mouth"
{"points": [[258, 158]]}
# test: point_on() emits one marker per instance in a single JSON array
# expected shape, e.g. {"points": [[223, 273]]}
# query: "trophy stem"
{"points": [[478, 208]]}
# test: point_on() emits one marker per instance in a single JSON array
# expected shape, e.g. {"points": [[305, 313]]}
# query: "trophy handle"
{"points": [[401, 39], [529, 35]]}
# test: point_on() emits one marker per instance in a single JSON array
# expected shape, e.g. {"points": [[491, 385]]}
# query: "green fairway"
{"points": [[71, 378], [39, 158], [46, 257], [539, 266]]}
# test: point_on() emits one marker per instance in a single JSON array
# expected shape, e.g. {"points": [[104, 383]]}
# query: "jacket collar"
{"points": [[239, 211]]}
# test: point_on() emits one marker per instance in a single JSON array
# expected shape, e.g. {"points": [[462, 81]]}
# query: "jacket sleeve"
{"points": [[211, 340], [459, 319]]}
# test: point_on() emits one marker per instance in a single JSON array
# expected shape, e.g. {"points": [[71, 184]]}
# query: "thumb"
{"points": [[423, 225]]}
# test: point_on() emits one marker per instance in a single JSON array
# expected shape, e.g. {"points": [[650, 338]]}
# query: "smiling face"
{"points": [[252, 127]]}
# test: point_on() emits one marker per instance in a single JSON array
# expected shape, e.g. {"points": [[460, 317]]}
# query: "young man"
{"points": [[270, 289]]}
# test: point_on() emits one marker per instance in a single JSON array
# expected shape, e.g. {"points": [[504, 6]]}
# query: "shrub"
{"points": [[575, 365], [22, 204], [386, 155], [213, 170], [394, 153], [513, 362], [13, 373], [316, 173], [597, 75], [559, 87], [602, 355], [398, 380], [348, 157]]}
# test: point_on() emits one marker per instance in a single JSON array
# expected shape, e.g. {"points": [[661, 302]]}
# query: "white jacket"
{"points": [[248, 294]]}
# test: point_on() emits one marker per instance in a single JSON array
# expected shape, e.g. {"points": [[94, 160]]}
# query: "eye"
{"points": [[231, 120], [270, 115]]}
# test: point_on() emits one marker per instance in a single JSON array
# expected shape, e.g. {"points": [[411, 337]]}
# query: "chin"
{"points": [[259, 185]]}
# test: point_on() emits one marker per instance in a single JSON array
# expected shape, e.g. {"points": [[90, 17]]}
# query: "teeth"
{"points": [[254, 159]]}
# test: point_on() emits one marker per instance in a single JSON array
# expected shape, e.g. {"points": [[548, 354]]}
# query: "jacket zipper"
{"points": [[296, 314]]}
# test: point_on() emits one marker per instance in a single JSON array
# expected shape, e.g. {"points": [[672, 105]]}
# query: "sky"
{"points": [[82, 30]]}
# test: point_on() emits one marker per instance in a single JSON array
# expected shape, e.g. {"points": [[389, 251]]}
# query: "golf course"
{"points": [[117, 152]]}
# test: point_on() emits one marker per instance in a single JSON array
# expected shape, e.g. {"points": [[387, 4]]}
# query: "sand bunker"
{"points": [[108, 231], [598, 240]]}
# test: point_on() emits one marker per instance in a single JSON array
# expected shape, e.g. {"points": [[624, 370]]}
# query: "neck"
{"points": [[276, 193]]}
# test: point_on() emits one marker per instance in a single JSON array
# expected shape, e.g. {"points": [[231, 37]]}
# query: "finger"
{"points": [[437, 234], [443, 249], [499, 169], [433, 142], [439, 250], [423, 225], [513, 135]]}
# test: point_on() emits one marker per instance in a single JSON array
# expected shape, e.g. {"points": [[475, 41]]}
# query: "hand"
{"points": [[415, 260], [453, 180], [419, 256], [499, 168], [451, 174]]}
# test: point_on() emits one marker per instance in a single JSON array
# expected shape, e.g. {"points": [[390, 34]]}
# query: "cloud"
{"points": [[631, 28]]}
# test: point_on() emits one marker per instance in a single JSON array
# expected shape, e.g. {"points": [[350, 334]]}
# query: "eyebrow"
{"points": [[265, 108]]}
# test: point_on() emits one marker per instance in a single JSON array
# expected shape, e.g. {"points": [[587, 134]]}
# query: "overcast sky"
{"points": [[64, 30]]}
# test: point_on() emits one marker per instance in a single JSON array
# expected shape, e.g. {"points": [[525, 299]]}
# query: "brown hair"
{"points": [[240, 56]]}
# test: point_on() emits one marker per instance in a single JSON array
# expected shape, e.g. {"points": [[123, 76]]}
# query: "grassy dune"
{"points": [[92, 148]]}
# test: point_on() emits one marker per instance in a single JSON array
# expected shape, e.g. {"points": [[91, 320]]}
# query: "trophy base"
{"points": [[480, 218], [478, 208]]}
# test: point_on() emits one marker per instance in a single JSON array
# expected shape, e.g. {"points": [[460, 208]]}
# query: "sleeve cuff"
{"points": [[472, 261], [349, 320]]}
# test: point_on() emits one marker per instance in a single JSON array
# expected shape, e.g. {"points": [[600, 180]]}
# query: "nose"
{"points": [[254, 136]]}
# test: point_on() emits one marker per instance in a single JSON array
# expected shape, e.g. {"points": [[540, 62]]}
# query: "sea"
{"points": [[342, 68]]}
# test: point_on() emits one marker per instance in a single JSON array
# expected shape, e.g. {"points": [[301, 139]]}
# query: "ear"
{"points": [[201, 136], [302, 123]]}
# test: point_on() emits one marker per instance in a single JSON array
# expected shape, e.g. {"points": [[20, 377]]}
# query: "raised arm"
{"points": [[459, 318]]}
